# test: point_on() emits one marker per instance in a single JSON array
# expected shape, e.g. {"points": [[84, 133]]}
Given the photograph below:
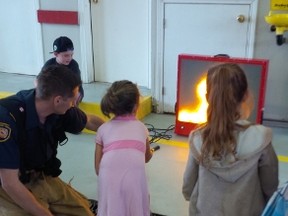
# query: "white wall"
{"points": [[121, 40], [276, 102], [20, 37]]}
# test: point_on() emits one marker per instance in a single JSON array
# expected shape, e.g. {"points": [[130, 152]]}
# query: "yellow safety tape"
{"points": [[283, 158], [173, 143]]}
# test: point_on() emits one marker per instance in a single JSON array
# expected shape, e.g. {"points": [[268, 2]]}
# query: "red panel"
{"points": [[58, 17], [184, 128]]}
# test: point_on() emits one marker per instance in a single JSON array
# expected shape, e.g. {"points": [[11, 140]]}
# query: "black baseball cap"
{"points": [[62, 44]]}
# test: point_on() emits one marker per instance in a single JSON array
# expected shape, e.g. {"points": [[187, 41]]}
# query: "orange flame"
{"points": [[198, 113]]}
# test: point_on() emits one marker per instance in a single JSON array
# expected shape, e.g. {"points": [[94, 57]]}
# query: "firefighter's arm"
{"points": [[93, 122]]}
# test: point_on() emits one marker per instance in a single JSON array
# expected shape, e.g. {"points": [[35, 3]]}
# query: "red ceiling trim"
{"points": [[58, 17]]}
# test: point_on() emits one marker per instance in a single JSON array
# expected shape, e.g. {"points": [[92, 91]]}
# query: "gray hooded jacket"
{"points": [[237, 185]]}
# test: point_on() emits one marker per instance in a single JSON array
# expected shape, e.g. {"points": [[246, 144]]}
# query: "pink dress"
{"points": [[122, 183]]}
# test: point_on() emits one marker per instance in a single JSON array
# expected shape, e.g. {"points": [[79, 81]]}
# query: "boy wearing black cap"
{"points": [[63, 51]]}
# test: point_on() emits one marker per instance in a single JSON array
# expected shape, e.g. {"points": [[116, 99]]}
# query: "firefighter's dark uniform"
{"points": [[31, 147]]}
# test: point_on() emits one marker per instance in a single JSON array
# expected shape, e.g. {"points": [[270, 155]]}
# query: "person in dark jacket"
{"points": [[32, 125], [63, 50]]}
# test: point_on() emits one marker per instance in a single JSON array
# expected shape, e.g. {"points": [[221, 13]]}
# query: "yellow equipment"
{"points": [[278, 19]]}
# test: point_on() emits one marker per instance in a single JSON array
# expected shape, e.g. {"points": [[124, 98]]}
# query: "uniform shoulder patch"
{"points": [[5, 131]]}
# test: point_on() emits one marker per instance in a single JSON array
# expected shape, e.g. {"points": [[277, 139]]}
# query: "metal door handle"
{"points": [[241, 18]]}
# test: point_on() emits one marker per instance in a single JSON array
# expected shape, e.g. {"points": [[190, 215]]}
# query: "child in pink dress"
{"points": [[122, 148]]}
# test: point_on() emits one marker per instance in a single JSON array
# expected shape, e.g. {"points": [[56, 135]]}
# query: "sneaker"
{"points": [[93, 206]]}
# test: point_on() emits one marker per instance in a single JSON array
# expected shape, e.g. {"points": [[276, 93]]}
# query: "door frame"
{"points": [[159, 62], [85, 31]]}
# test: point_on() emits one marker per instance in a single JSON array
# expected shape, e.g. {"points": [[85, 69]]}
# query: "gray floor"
{"points": [[164, 171]]}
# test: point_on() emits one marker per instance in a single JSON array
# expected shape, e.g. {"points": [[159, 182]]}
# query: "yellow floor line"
{"points": [[5, 94], [283, 158], [173, 143]]}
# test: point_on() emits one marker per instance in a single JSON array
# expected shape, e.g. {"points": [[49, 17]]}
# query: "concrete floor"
{"points": [[164, 171]]}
